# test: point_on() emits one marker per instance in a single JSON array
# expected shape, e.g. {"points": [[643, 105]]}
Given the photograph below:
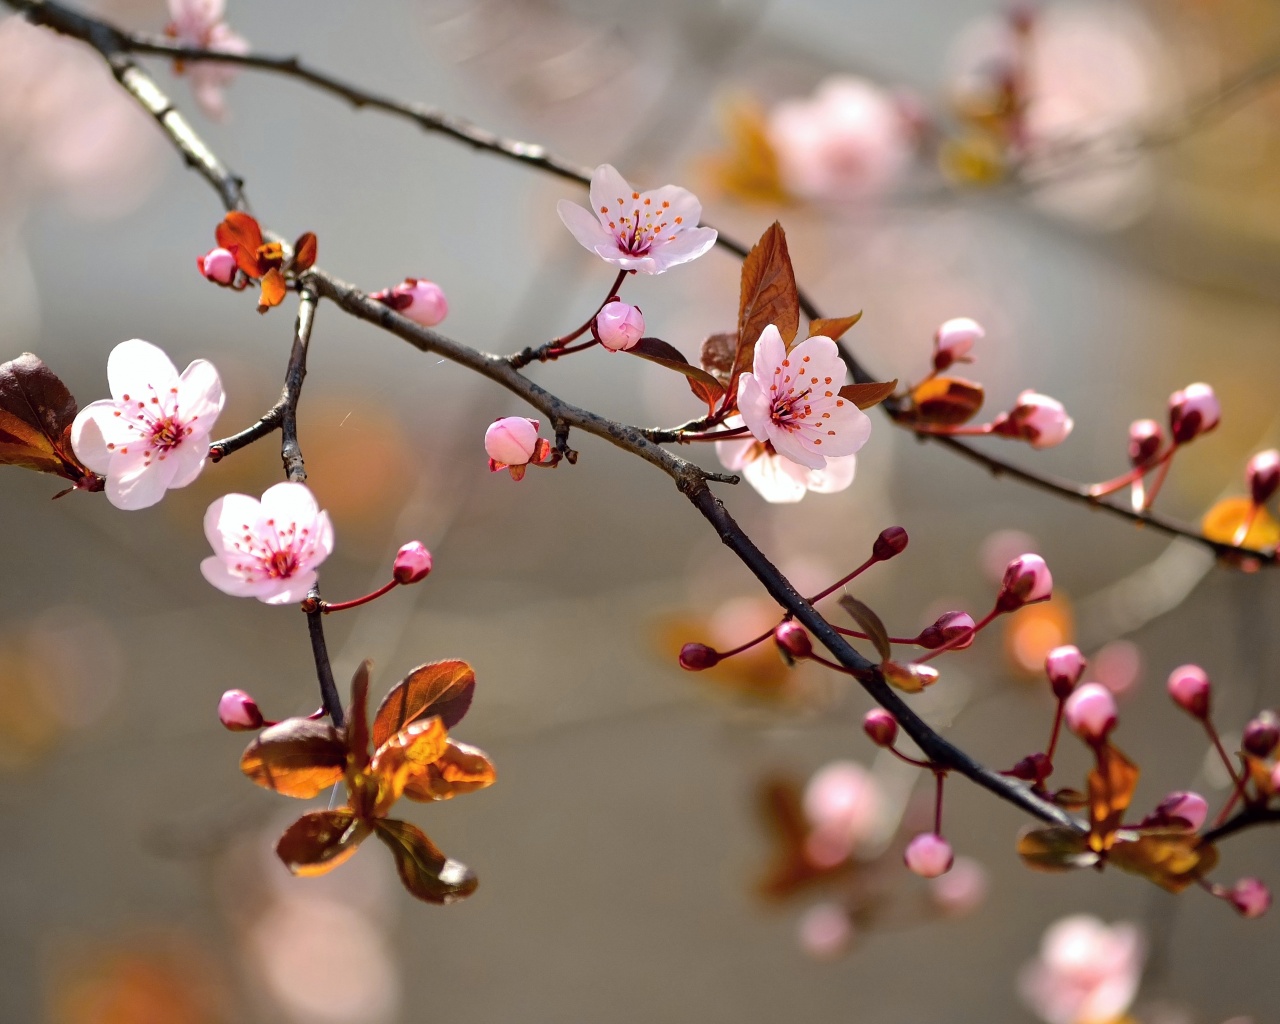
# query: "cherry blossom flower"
{"points": [[267, 549], [1087, 972], [845, 805], [198, 24], [153, 433], [792, 400], [647, 232], [779, 480]]}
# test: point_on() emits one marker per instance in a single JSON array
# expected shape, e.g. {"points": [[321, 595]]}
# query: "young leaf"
{"points": [[833, 327], [864, 396], [701, 383], [357, 728], [36, 411], [273, 291], [1172, 859], [769, 296], [240, 234], [304, 253], [460, 769], [297, 758], [946, 401], [870, 623], [425, 871], [319, 841], [1056, 848], [717, 354], [441, 688], [1111, 787]]}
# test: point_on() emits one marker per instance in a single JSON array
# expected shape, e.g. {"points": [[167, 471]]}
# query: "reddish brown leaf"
{"points": [[298, 758], [442, 688], [864, 396], [319, 841], [357, 728], [946, 401], [460, 769], [425, 871], [1112, 783], [1173, 859], [833, 327], [304, 253], [768, 296], [36, 411], [1056, 848], [717, 354], [241, 234], [406, 756], [701, 383], [273, 291], [870, 623], [908, 678]]}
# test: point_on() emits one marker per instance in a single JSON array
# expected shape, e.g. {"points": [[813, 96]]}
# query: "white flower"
{"points": [[267, 549], [780, 480], [644, 231], [1087, 972], [792, 400], [153, 433]]}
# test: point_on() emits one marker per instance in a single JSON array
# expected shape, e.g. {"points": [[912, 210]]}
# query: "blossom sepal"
{"points": [[263, 261]]}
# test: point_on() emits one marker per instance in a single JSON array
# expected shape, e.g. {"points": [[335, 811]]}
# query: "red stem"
{"points": [[1057, 729], [341, 606]]}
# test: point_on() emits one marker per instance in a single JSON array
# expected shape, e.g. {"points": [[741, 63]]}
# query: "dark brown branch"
{"points": [[314, 608], [290, 450], [1247, 818]]}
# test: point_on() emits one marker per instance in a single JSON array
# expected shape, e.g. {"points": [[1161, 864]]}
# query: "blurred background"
{"points": [[1093, 182]]}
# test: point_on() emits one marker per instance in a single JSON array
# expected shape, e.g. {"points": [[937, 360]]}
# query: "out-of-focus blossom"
{"points": [[880, 726], [1181, 807], [1263, 475], [1118, 666], [218, 265], [1145, 439], [844, 804], [619, 326], [954, 341], [1087, 972], [420, 300], [153, 433], [648, 232], [779, 480], [1039, 420], [929, 855], [850, 140], [825, 931], [1026, 581], [1193, 411], [268, 549], [1251, 897], [1064, 666], [1190, 689], [1090, 712], [962, 889], [198, 24]]}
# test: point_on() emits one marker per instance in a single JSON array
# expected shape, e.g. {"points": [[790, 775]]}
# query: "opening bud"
{"points": [[881, 727], [1261, 735], [1263, 475], [218, 265], [1180, 808], [413, 563], [239, 712], [619, 326], [1033, 768], [792, 640], [1064, 666], [1026, 581], [511, 441], [1145, 439], [954, 341], [1090, 712], [1039, 420], [1189, 687], [1193, 411], [892, 541], [1250, 897], [420, 300], [929, 855], [696, 657], [950, 626]]}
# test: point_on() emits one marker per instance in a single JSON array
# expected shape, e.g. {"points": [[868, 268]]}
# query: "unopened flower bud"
{"points": [[1189, 687], [1039, 420], [511, 441], [1090, 712], [949, 626], [1064, 666], [1261, 735], [792, 639], [892, 541], [880, 726], [1145, 439], [954, 341], [1026, 581], [420, 300], [1032, 768], [619, 326], [218, 265], [239, 712], [413, 563], [1193, 411], [1181, 807], [929, 855], [696, 657], [1250, 897], [1263, 475]]}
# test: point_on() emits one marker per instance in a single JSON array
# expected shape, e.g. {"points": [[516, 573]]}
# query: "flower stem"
{"points": [[342, 606], [558, 347], [319, 649], [1055, 732]]}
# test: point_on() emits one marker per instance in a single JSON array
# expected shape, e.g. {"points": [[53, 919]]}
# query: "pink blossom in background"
{"points": [[1193, 411], [1039, 420], [962, 889], [1118, 666], [779, 480], [153, 433], [848, 141], [267, 549], [1086, 973], [791, 399], [198, 24], [825, 931], [648, 232], [844, 805]]}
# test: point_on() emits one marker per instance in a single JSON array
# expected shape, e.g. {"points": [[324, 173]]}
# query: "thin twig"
{"points": [[290, 450], [1247, 818]]}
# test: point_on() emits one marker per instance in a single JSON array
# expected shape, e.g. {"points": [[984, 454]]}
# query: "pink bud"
{"points": [[1189, 687], [420, 300], [1039, 420], [962, 889], [881, 726], [413, 562], [1263, 475], [793, 640], [1026, 581], [1250, 897], [1181, 807], [696, 657], [892, 541], [1090, 712], [619, 326], [218, 265], [511, 441], [1193, 411], [239, 712], [949, 626], [1261, 735], [954, 341], [1145, 439], [1064, 666], [929, 855]]}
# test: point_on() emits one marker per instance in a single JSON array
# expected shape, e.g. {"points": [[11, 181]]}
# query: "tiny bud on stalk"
{"points": [[218, 265], [1090, 712], [1263, 475], [892, 541], [1026, 581], [239, 712], [1250, 897], [696, 657], [1145, 439], [1064, 666], [949, 626], [1039, 420], [1193, 411], [881, 727], [420, 300], [413, 563], [1190, 689], [954, 341], [793, 640], [1180, 808], [929, 855], [618, 326], [1261, 735]]}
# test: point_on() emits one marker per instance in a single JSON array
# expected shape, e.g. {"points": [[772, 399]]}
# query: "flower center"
{"points": [[790, 408], [640, 229], [281, 564], [167, 433]]}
